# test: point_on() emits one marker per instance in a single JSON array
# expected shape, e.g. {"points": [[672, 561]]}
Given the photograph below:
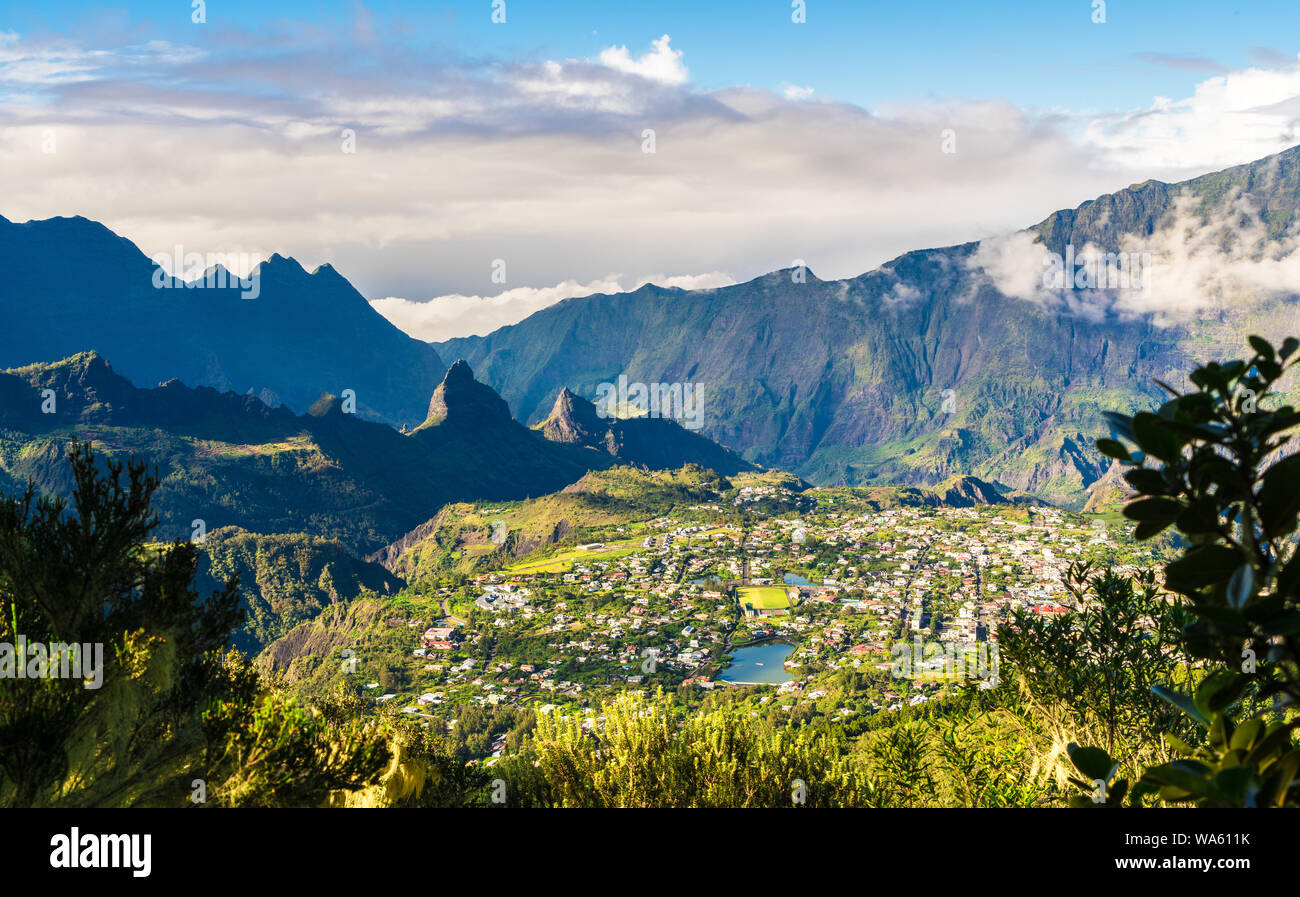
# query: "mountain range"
{"points": [[942, 362]]}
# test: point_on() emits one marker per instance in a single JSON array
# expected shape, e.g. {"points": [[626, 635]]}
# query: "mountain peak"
{"points": [[83, 364], [964, 491], [573, 419], [277, 263], [328, 405], [459, 372], [292, 335], [81, 381], [793, 274], [329, 271], [657, 443], [460, 398], [569, 404]]}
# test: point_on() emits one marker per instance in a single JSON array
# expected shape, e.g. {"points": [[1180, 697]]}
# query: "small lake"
{"points": [[759, 665], [711, 581], [794, 579]]}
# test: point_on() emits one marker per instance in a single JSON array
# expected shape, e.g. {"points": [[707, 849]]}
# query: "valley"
{"points": [[646, 601]]}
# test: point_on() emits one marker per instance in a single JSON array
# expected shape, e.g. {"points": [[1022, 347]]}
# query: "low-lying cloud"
{"points": [[445, 317], [1196, 262]]}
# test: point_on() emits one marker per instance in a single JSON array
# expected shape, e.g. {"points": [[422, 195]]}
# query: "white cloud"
{"points": [[445, 317], [1195, 262], [663, 63], [1229, 119], [51, 63], [1014, 264], [902, 294], [540, 165], [710, 281], [1207, 262], [795, 92]]}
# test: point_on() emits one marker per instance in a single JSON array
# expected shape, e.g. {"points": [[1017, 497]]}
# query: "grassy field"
{"points": [[565, 560], [762, 597]]}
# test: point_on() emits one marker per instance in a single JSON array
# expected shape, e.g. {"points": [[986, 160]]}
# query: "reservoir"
{"points": [[759, 665], [794, 579]]}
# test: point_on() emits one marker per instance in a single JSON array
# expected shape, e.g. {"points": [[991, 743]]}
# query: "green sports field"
{"points": [[763, 597]]}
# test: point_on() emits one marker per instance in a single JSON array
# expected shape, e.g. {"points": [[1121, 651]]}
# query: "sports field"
{"points": [[763, 597]]}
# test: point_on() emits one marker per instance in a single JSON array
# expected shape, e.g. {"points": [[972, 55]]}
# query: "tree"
{"points": [[1088, 675], [148, 710]]}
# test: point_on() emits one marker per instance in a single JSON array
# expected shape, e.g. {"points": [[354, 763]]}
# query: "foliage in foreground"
{"points": [[1214, 463], [1088, 676], [169, 719], [647, 755]]}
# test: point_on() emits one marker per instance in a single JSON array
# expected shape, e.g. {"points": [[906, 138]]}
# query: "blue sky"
{"points": [[415, 145], [1043, 54]]}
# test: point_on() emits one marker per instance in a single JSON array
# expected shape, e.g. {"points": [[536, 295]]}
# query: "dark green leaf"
{"points": [[1202, 566], [1153, 510], [1092, 762], [1182, 702], [1156, 438], [1241, 586], [1261, 345], [1112, 449]]}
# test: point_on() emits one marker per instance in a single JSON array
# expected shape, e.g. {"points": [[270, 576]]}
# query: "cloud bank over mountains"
{"points": [[1199, 261], [445, 317]]}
